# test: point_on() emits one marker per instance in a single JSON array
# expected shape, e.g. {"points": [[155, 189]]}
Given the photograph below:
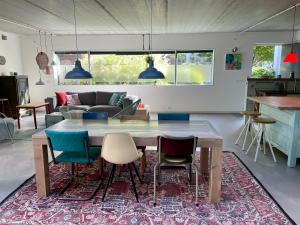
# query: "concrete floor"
{"points": [[16, 162]]}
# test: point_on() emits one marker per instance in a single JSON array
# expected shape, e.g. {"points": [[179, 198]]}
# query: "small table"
{"points": [[2, 100], [32, 106]]}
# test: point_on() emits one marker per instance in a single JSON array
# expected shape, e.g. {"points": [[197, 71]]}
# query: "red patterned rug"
{"points": [[244, 200]]}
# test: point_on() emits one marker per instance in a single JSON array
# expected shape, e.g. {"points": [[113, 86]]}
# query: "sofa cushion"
{"points": [[61, 98], [111, 110], [87, 98], [120, 100], [73, 99], [74, 107], [102, 97], [114, 99]]}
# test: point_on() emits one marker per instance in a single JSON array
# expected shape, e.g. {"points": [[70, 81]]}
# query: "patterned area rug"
{"points": [[244, 200]]}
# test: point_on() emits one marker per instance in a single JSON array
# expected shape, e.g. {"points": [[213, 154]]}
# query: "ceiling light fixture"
{"points": [[78, 72], [292, 57], [151, 72]]}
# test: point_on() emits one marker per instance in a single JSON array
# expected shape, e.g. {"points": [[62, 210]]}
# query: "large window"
{"points": [[179, 67]]}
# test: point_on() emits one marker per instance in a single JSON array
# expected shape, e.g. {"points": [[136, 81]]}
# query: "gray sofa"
{"points": [[91, 102]]}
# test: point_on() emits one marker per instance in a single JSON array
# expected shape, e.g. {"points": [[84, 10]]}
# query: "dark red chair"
{"points": [[176, 151]]}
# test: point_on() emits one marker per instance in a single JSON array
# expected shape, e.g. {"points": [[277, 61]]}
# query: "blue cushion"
{"points": [[79, 157], [95, 116], [174, 116]]}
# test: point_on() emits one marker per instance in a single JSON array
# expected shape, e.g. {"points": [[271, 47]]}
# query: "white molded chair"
{"points": [[120, 149]]}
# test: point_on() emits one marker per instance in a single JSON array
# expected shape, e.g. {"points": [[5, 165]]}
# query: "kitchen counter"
{"points": [[279, 102], [285, 133]]}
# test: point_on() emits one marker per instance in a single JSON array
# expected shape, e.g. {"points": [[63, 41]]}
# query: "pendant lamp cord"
{"points": [[40, 41], [151, 26], [75, 29], [143, 35], [51, 43], [294, 27], [46, 49]]}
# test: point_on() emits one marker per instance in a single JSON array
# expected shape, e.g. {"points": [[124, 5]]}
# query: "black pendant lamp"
{"points": [[78, 72], [151, 72]]}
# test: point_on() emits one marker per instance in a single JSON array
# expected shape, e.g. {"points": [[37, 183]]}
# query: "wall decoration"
{"points": [[233, 61], [2, 60]]}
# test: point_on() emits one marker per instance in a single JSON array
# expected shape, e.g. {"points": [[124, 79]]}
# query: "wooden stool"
{"points": [[262, 135], [248, 126]]}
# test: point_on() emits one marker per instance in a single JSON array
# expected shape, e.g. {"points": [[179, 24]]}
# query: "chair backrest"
{"points": [[71, 141], [119, 148], [95, 116], [177, 146], [129, 110], [174, 116]]}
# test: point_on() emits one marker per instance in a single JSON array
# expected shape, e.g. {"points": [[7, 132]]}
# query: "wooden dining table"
{"points": [[144, 133]]}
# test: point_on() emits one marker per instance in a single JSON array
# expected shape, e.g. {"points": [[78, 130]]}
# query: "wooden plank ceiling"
{"points": [[133, 16]]}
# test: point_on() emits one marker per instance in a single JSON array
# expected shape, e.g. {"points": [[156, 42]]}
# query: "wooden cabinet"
{"points": [[16, 90]]}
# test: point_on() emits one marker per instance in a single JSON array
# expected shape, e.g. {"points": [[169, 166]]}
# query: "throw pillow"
{"points": [[114, 99], [73, 99], [120, 100], [61, 98]]}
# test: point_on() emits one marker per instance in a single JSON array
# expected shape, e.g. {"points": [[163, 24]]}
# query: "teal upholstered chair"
{"points": [[75, 149]]}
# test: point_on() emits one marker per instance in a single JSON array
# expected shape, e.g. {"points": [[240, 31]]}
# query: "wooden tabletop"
{"points": [[32, 105], [279, 102], [143, 132]]}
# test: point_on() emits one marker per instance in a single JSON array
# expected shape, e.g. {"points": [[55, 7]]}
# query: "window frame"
{"points": [[146, 52]]}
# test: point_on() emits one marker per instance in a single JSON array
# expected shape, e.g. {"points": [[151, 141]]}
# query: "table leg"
{"points": [[215, 176], [204, 153], [34, 118], [18, 115], [41, 169]]}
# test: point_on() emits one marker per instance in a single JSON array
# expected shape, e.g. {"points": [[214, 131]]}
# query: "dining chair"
{"points": [[7, 127], [176, 151], [75, 149], [95, 116], [174, 116], [120, 149], [143, 164]]}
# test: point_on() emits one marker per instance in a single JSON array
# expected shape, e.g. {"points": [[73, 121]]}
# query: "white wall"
{"points": [[11, 50], [226, 95]]}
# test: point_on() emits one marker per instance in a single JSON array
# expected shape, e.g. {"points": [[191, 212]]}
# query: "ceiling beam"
{"points": [[110, 14], [27, 26], [269, 18], [48, 11]]}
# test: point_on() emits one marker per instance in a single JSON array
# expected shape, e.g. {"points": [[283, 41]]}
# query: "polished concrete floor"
{"points": [[16, 162]]}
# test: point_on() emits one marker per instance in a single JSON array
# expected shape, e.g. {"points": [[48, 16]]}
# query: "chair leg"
{"points": [[69, 182], [271, 148], [196, 169], [258, 144], [240, 135], [137, 173], [154, 188], [246, 134], [133, 183], [256, 136], [190, 173], [109, 180]]}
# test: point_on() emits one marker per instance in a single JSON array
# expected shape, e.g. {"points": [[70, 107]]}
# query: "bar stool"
{"points": [[262, 135], [248, 126]]}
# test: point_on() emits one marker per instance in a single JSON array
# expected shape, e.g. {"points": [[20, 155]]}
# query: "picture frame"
{"points": [[233, 61]]}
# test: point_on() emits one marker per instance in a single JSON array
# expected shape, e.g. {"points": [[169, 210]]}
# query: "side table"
{"points": [[33, 107]]}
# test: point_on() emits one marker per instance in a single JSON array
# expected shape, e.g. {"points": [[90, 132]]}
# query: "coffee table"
{"points": [[33, 107]]}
